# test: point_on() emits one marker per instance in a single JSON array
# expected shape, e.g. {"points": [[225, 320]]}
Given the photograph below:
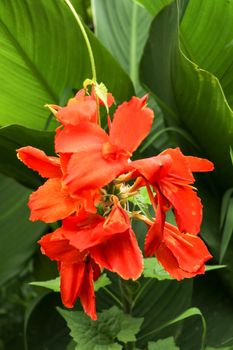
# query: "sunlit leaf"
{"points": [[36, 67]]}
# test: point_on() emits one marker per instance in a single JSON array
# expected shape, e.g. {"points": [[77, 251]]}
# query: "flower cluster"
{"points": [[86, 189]]}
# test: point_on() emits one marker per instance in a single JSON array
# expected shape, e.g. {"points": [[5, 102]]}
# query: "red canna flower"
{"points": [[182, 255], [103, 157], [170, 174], [77, 271], [110, 241], [52, 201]]}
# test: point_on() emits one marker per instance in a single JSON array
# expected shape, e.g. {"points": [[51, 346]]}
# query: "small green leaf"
{"points": [[214, 267], [54, 284], [225, 348], [153, 269], [142, 201], [102, 281], [112, 324], [163, 344]]}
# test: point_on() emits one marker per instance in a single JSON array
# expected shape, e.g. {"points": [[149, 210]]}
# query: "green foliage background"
{"points": [[181, 52]]}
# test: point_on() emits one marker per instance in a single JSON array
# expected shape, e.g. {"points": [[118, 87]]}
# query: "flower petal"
{"points": [[57, 247], [78, 138], [37, 160], [170, 264], [51, 202], [79, 112], [131, 124], [90, 170], [199, 164], [180, 169], [72, 279], [152, 168], [190, 251], [187, 206], [155, 233], [87, 294], [120, 254]]}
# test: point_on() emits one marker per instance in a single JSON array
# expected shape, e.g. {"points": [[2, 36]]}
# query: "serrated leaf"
{"points": [[153, 269], [163, 344], [142, 201], [111, 325]]}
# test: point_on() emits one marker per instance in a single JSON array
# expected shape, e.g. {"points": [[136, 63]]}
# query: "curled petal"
{"points": [[190, 251], [120, 254], [87, 294], [187, 206], [152, 169], [180, 169], [155, 233], [37, 160], [170, 264], [51, 202], [72, 278], [131, 124], [57, 247]]}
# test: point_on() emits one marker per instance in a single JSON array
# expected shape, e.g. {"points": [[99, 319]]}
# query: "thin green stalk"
{"points": [[113, 296], [90, 52]]}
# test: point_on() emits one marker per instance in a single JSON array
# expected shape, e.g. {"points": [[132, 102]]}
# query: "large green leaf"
{"points": [[192, 95], [124, 31], [42, 52], [15, 136], [217, 308], [154, 6], [18, 236]]}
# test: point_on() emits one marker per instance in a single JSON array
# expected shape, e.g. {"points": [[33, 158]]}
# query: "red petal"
{"points": [[72, 281], [199, 164], [131, 124], [170, 264], [90, 170], [155, 233], [79, 112], [78, 138], [189, 250], [187, 206], [51, 202], [180, 169], [57, 247], [120, 254], [37, 160], [87, 294], [101, 230], [154, 168]]}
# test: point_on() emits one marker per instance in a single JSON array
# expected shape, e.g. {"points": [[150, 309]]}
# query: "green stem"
{"points": [[81, 26], [127, 299], [113, 296]]}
